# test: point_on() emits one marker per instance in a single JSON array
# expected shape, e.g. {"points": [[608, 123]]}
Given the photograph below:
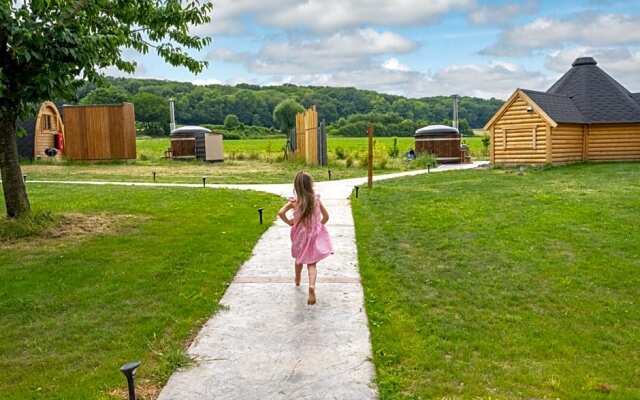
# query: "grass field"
{"points": [[133, 276], [495, 285], [247, 161], [154, 148]]}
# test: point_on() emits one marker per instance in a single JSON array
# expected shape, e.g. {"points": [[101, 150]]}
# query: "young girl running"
{"points": [[310, 240]]}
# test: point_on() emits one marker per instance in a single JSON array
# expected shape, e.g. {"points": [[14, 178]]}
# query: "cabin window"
{"points": [[47, 123]]}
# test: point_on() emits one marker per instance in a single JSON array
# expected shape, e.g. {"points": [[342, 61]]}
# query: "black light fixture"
{"points": [[129, 371], [329, 171], [357, 189], [260, 210], [204, 181], [154, 176]]}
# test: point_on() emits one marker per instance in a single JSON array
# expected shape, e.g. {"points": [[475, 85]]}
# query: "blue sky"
{"points": [[414, 48]]}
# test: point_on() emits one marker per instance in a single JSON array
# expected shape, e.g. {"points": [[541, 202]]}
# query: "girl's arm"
{"points": [[283, 213], [325, 214]]}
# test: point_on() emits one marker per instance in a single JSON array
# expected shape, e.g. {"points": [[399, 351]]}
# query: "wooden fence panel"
{"points": [[100, 132]]}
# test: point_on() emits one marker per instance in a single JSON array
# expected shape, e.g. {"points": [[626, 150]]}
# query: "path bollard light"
{"points": [[357, 189], [24, 178], [428, 168], [329, 174], [154, 176], [204, 181], [129, 370], [260, 214]]}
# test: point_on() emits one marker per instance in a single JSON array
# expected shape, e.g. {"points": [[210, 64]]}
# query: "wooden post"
{"points": [[370, 172]]}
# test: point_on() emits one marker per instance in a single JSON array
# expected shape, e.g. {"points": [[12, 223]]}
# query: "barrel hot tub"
{"points": [[442, 141]]}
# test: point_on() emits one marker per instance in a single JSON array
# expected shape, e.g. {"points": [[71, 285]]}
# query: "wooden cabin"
{"points": [[196, 142], [444, 142], [45, 134], [585, 116], [100, 132]]}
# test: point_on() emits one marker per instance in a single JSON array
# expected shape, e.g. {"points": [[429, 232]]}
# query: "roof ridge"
{"points": [[545, 93]]}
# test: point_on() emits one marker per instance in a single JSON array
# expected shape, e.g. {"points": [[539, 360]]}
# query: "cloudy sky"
{"points": [[413, 47]]}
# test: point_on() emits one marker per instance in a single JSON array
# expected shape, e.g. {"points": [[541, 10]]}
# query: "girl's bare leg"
{"points": [[298, 274], [313, 272]]}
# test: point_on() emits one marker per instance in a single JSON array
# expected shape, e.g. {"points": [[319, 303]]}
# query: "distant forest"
{"points": [[344, 109]]}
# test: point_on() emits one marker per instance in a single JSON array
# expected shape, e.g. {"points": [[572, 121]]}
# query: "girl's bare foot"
{"points": [[312, 296]]}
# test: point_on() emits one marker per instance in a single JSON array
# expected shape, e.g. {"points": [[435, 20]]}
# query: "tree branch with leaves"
{"points": [[48, 48]]}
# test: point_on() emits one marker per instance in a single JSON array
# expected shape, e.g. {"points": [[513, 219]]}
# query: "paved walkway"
{"points": [[266, 343]]}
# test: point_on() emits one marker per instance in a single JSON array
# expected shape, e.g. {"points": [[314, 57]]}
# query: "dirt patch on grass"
{"points": [[145, 390], [72, 228]]}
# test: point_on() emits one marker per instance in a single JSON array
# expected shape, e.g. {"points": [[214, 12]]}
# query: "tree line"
{"points": [[343, 109]]}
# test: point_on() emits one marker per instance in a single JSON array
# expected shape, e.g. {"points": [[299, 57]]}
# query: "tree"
{"points": [[48, 49], [106, 95], [231, 122], [284, 115], [151, 107]]}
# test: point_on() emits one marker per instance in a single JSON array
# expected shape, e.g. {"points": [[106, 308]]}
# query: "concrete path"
{"points": [[266, 343]]}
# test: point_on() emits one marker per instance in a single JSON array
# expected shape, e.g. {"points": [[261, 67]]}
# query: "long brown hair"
{"points": [[306, 198]]}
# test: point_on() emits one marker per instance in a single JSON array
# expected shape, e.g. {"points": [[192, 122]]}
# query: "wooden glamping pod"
{"points": [[585, 116], [196, 142], [442, 141], [100, 132], [45, 134]]}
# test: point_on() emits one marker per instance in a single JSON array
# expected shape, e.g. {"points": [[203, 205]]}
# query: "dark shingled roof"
{"points": [[560, 108], [596, 96]]}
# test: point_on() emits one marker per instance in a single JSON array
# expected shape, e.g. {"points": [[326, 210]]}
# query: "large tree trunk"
{"points": [[15, 192]]}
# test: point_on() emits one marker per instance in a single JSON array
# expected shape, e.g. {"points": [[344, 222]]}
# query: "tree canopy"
{"points": [[49, 48], [254, 105], [284, 115]]}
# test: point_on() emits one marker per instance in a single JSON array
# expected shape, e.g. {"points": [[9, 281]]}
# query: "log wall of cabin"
{"points": [[609, 142], [567, 143], [519, 136]]}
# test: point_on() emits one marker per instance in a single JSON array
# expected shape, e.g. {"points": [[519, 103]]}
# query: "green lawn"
{"points": [[72, 310], [494, 285], [154, 148], [247, 161]]}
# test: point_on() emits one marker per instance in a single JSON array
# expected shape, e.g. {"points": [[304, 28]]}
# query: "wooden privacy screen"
{"points": [[100, 132], [310, 144]]}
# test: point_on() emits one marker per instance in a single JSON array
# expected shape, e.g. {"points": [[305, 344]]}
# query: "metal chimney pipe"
{"points": [[172, 112], [456, 103]]}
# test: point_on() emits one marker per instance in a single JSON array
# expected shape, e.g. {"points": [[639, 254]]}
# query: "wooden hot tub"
{"points": [[441, 141]]}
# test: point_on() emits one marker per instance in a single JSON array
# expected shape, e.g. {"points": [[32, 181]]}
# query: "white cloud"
{"points": [[586, 29], [327, 15], [340, 51], [394, 65], [621, 63], [501, 13]]}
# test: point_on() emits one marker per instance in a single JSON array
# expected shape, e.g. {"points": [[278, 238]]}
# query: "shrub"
{"points": [[348, 162], [394, 151], [231, 122], [231, 135], [424, 160], [340, 153]]}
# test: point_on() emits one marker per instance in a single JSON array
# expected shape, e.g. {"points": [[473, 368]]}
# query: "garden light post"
{"points": [[357, 189], [154, 176], [260, 210], [129, 371], [204, 181], [329, 171]]}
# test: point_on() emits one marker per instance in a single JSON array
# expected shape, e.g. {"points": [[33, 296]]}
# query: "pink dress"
{"points": [[310, 240]]}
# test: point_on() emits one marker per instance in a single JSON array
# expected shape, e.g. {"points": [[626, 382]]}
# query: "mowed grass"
{"points": [[494, 285], [74, 309], [246, 161]]}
